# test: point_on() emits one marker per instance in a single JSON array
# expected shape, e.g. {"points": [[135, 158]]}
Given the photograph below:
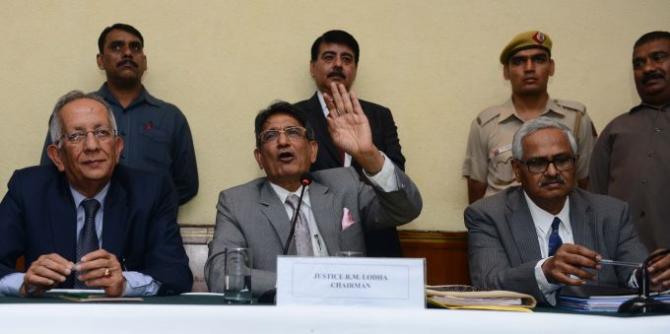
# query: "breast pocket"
{"points": [[156, 147], [502, 168]]}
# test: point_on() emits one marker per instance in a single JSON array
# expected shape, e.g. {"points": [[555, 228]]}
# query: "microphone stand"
{"points": [[644, 303]]}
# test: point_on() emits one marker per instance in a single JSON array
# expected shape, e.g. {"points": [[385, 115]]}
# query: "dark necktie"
{"points": [[303, 240], [554, 239], [88, 238]]}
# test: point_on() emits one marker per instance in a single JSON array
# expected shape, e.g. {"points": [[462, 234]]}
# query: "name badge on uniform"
{"points": [[499, 150]]}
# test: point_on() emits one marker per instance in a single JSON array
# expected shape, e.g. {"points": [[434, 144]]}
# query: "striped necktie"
{"points": [[555, 241]]}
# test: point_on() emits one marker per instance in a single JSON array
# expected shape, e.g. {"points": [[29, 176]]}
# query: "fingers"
{"points": [[567, 265], [47, 271], [659, 273], [101, 269]]}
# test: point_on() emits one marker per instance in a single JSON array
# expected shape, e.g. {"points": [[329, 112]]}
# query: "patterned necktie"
{"points": [[554, 239], [303, 240], [88, 238]]}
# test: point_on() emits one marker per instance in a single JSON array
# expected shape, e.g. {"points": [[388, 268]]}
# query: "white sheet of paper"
{"points": [[359, 281]]}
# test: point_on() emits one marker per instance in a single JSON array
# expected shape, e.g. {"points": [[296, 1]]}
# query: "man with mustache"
{"points": [[86, 222], [547, 233], [631, 159], [527, 65], [338, 208], [334, 59], [156, 134]]}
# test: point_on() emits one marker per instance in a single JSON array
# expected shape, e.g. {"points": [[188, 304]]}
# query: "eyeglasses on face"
{"points": [[78, 137], [292, 132], [562, 162]]}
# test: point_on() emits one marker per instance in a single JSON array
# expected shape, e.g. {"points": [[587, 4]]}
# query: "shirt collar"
{"points": [[322, 102], [543, 219], [283, 193], [643, 105], [510, 111], [143, 97], [100, 196]]}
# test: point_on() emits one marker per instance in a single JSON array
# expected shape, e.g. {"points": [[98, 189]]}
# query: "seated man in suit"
{"points": [[86, 222], [337, 208], [547, 233]]}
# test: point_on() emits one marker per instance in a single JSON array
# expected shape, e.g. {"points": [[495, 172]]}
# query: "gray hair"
{"points": [[56, 122], [534, 125]]}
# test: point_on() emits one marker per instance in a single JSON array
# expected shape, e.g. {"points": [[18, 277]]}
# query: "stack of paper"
{"points": [[460, 297]]}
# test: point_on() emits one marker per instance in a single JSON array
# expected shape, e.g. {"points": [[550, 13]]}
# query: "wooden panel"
{"points": [[446, 254]]}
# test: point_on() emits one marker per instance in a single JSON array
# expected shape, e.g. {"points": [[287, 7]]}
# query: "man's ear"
{"points": [[98, 60], [551, 67], [54, 154], [516, 168], [506, 71], [311, 68], [258, 157], [313, 151], [119, 148]]}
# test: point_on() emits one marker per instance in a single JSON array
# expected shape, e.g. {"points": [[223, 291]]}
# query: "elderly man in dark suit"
{"points": [[547, 233], [334, 59], [337, 209], [86, 222]]}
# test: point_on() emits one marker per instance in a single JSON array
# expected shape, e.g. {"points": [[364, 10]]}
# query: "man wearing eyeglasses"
{"points": [[337, 209], [631, 160], [527, 65], [547, 233], [156, 133], [87, 223]]}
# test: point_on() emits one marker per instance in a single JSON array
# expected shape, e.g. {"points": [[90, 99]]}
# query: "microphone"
{"points": [[305, 180]]}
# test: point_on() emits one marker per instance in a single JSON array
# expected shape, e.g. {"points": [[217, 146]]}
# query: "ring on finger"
{"points": [[107, 272]]}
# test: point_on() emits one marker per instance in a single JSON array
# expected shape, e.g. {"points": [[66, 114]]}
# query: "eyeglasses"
{"points": [[292, 132], [78, 137], [562, 162]]}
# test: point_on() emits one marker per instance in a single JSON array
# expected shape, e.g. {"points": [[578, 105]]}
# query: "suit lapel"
{"points": [[275, 212], [63, 217], [115, 220], [521, 226], [581, 221], [320, 125], [323, 208]]}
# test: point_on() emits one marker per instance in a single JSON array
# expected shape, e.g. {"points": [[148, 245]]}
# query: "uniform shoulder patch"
{"points": [[487, 115], [571, 105]]}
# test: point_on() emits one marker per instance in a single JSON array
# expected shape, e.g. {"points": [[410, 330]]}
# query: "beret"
{"points": [[525, 40]]}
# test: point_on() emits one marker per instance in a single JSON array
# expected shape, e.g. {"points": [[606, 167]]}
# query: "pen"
{"points": [[620, 263]]}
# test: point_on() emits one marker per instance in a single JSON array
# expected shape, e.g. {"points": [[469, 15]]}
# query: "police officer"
{"points": [[527, 65]]}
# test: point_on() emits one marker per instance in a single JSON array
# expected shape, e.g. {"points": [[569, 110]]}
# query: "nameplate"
{"points": [[357, 281]]}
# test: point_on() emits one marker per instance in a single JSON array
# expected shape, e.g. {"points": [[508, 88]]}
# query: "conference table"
{"points": [[197, 314]]}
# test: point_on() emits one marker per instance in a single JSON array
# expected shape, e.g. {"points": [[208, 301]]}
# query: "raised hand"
{"points": [[350, 129]]}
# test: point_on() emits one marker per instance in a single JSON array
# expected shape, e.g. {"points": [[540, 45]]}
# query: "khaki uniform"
{"points": [[489, 153]]}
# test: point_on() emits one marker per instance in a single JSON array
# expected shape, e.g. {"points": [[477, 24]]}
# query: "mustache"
{"points": [[652, 75], [549, 180], [337, 73], [126, 62]]}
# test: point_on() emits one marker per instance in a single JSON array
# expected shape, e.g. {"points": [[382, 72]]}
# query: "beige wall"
{"points": [[434, 63]]}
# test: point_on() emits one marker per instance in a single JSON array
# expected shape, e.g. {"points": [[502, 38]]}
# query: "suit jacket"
{"points": [[38, 216], [503, 247], [382, 242], [251, 215]]}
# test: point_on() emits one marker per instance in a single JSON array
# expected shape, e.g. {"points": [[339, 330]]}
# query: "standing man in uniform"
{"points": [[334, 59], [527, 65], [156, 134], [631, 158]]}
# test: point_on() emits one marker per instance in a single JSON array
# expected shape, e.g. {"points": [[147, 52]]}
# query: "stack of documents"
{"points": [[598, 299], [464, 297]]}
